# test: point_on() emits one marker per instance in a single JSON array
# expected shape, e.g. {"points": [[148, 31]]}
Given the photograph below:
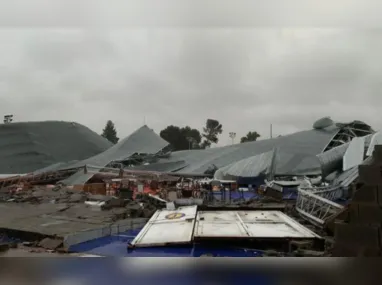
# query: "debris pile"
{"points": [[359, 231], [43, 216], [68, 196]]}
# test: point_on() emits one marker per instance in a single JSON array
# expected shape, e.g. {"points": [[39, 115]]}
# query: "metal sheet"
{"points": [[354, 153], [375, 139], [308, 143], [248, 167], [168, 227], [143, 140], [219, 224], [28, 146], [249, 224]]}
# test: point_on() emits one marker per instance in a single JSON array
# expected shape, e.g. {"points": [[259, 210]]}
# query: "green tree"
{"points": [[250, 137], [110, 133], [210, 132], [181, 138]]}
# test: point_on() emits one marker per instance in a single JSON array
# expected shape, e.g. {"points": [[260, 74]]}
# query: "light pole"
{"points": [[190, 141], [232, 135]]}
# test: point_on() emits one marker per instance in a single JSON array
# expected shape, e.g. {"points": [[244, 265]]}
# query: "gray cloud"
{"points": [[246, 78], [185, 13]]}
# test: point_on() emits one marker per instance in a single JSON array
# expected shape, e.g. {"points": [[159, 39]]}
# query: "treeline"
{"points": [[183, 138]]}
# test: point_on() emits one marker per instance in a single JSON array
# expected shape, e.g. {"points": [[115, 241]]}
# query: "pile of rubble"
{"points": [[40, 218], [358, 229], [143, 206]]}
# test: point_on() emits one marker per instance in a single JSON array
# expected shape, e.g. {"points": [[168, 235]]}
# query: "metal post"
{"points": [[190, 141], [271, 131]]}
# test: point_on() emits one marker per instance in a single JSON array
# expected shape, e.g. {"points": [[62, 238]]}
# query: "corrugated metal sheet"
{"points": [[298, 154], [354, 153], [297, 164], [248, 224], [143, 140], [28, 146], [296, 151], [274, 161], [249, 167]]}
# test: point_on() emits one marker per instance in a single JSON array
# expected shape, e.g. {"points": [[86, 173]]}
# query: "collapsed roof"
{"points": [[142, 141], [25, 147], [296, 155], [311, 152]]}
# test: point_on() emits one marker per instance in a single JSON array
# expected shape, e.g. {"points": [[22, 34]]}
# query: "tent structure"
{"points": [[25, 147]]}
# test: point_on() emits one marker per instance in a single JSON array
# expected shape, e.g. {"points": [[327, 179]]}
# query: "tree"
{"points": [[210, 132], [181, 138], [250, 137], [110, 133]]}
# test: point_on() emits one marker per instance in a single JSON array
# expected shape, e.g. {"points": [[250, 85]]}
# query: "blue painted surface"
{"points": [[288, 194], [116, 245]]}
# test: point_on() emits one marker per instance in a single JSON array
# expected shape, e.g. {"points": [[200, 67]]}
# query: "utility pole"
{"points": [[271, 131], [232, 135]]}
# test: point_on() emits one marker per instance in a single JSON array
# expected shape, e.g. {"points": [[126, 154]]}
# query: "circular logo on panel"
{"points": [[174, 216]]}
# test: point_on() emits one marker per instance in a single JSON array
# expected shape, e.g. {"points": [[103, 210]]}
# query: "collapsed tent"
{"points": [[314, 152], [142, 141], [25, 147], [298, 153], [253, 166]]}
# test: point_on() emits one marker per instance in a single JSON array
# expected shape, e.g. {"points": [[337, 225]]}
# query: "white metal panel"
{"points": [[251, 224], [354, 153], [273, 224], [375, 140], [219, 224], [168, 227]]}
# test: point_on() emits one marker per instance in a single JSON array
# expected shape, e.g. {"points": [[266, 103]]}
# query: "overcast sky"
{"points": [[56, 66]]}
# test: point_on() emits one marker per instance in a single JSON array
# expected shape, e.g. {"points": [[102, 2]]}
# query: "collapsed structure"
{"points": [[320, 165], [27, 147], [315, 153]]}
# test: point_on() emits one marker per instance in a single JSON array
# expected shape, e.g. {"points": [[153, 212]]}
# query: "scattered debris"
{"points": [[130, 181], [49, 243]]}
